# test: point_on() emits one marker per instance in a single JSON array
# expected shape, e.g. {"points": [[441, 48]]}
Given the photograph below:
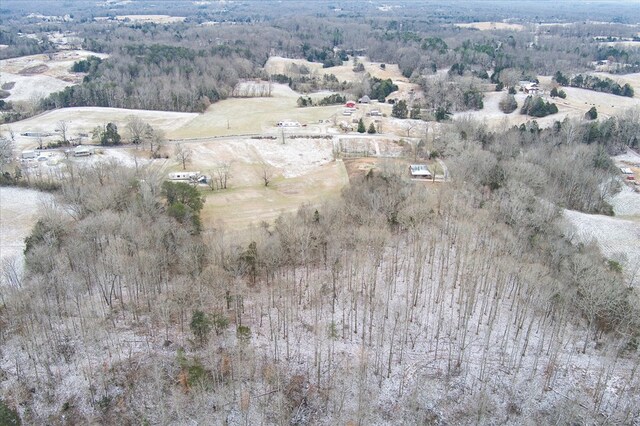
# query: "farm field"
{"points": [[85, 119], [239, 116], [279, 65], [302, 171], [37, 76]]}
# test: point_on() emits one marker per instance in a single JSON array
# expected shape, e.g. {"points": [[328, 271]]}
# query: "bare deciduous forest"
{"points": [[468, 302]]}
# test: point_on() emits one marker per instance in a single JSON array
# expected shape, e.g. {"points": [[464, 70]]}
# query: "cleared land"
{"points": [[32, 87], [157, 19], [491, 26], [239, 116], [577, 103], [18, 213], [279, 65], [618, 239], [37, 76], [301, 171], [85, 119]]}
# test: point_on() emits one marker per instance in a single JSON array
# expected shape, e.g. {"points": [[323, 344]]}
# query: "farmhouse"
{"points": [[365, 100], [420, 171], [529, 87]]}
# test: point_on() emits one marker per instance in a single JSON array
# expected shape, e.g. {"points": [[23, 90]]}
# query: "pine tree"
{"points": [[361, 128]]}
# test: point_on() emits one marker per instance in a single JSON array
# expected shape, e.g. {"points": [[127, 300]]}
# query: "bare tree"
{"points": [[222, 174], [63, 127], [12, 134], [266, 172], [137, 130], [156, 141], [6, 152], [183, 155], [509, 77]]}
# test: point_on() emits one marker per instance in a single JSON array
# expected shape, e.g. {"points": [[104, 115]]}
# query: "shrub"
{"points": [[8, 416]]}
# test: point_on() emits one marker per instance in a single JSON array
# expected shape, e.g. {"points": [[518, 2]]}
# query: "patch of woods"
{"points": [[472, 298], [536, 106], [334, 99], [592, 82]]}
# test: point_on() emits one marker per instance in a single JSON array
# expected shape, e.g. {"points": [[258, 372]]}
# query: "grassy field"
{"points": [[85, 119], [252, 115], [241, 206]]}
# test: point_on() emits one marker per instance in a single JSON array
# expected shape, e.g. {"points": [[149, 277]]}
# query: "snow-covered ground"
{"points": [[619, 239], [18, 212]]}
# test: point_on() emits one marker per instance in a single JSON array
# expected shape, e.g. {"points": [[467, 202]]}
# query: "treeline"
{"points": [[592, 82], [334, 99]]}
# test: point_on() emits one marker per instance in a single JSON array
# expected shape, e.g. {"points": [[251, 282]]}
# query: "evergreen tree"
{"points": [[400, 110], [361, 128]]}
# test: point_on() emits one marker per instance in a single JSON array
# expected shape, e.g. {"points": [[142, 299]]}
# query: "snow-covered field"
{"points": [[32, 87], [82, 120], [618, 239], [50, 73], [18, 212], [490, 26]]}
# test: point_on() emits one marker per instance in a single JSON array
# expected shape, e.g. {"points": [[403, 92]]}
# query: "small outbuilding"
{"points": [[83, 151], [288, 124], [365, 100], [350, 104], [420, 171], [29, 154]]}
